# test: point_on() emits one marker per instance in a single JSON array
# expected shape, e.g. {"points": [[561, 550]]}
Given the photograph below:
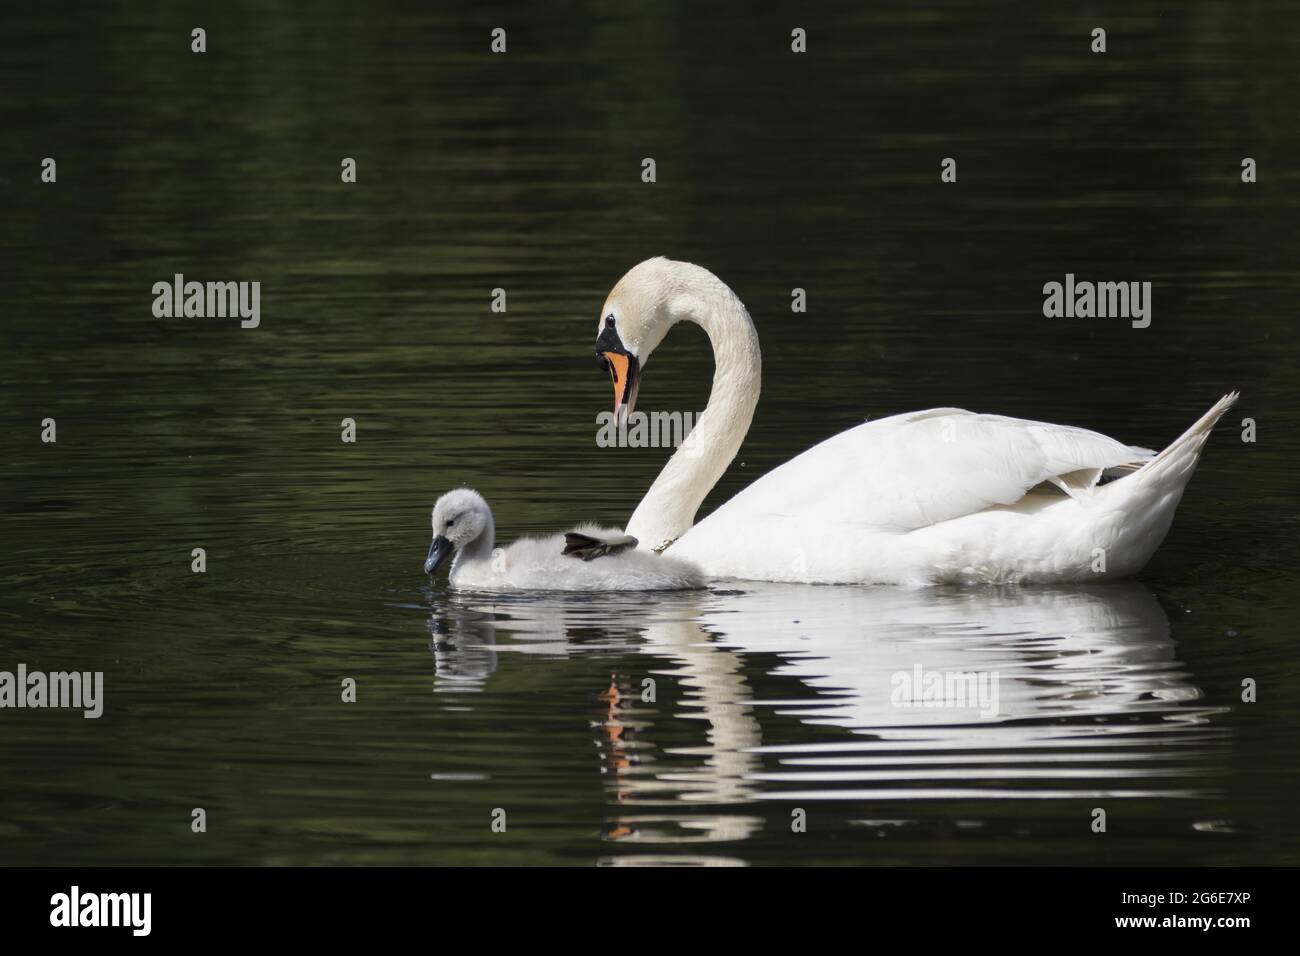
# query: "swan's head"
{"points": [[636, 316], [460, 518]]}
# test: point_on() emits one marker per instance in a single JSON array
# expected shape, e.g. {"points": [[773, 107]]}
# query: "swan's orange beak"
{"points": [[624, 371], [622, 366]]}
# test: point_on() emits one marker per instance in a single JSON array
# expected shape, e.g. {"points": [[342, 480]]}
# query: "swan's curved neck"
{"points": [[668, 509]]}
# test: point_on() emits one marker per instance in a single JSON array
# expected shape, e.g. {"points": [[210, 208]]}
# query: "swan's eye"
{"points": [[609, 321]]}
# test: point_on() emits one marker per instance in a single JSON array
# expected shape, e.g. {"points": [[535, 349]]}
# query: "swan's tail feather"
{"points": [[1179, 458]]}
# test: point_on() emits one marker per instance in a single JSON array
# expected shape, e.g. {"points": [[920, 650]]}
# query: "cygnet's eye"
{"points": [[450, 522]]}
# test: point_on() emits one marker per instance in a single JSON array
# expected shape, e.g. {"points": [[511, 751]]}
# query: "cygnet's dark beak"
{"points": [[438, 552]]}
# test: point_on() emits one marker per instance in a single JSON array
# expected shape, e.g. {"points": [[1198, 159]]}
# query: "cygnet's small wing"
{"points": [[589, 547]]}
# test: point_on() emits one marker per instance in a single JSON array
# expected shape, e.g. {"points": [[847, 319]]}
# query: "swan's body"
{"points": [[927, 497], [463, 524], [1004, 500]]}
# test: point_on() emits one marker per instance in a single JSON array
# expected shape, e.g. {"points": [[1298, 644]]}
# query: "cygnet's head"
{"points": [[460, 518]]}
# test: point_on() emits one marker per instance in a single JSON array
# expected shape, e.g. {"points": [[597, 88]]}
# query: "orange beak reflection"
{"points": [[623, 369]]}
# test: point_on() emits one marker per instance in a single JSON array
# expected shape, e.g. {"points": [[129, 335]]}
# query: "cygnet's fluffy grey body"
{"points": [[463, 526]]}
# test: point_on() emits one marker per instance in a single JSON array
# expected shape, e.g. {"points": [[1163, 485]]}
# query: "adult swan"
{"points": [[943, 495]]}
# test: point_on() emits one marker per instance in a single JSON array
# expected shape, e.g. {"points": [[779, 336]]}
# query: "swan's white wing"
{"points": [[921, 468]]}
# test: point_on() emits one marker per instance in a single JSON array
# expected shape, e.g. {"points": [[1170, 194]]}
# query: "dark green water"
{"points": [[522, 172]]}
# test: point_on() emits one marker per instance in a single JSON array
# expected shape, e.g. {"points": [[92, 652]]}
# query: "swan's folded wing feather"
{"points": [[918, 469]]}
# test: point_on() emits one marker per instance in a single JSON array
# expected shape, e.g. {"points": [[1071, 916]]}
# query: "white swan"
{"points": [[943, 495], [462, 523]]}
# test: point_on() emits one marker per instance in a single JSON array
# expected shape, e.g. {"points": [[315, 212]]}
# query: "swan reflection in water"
{"points": [[1090, 700]]}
